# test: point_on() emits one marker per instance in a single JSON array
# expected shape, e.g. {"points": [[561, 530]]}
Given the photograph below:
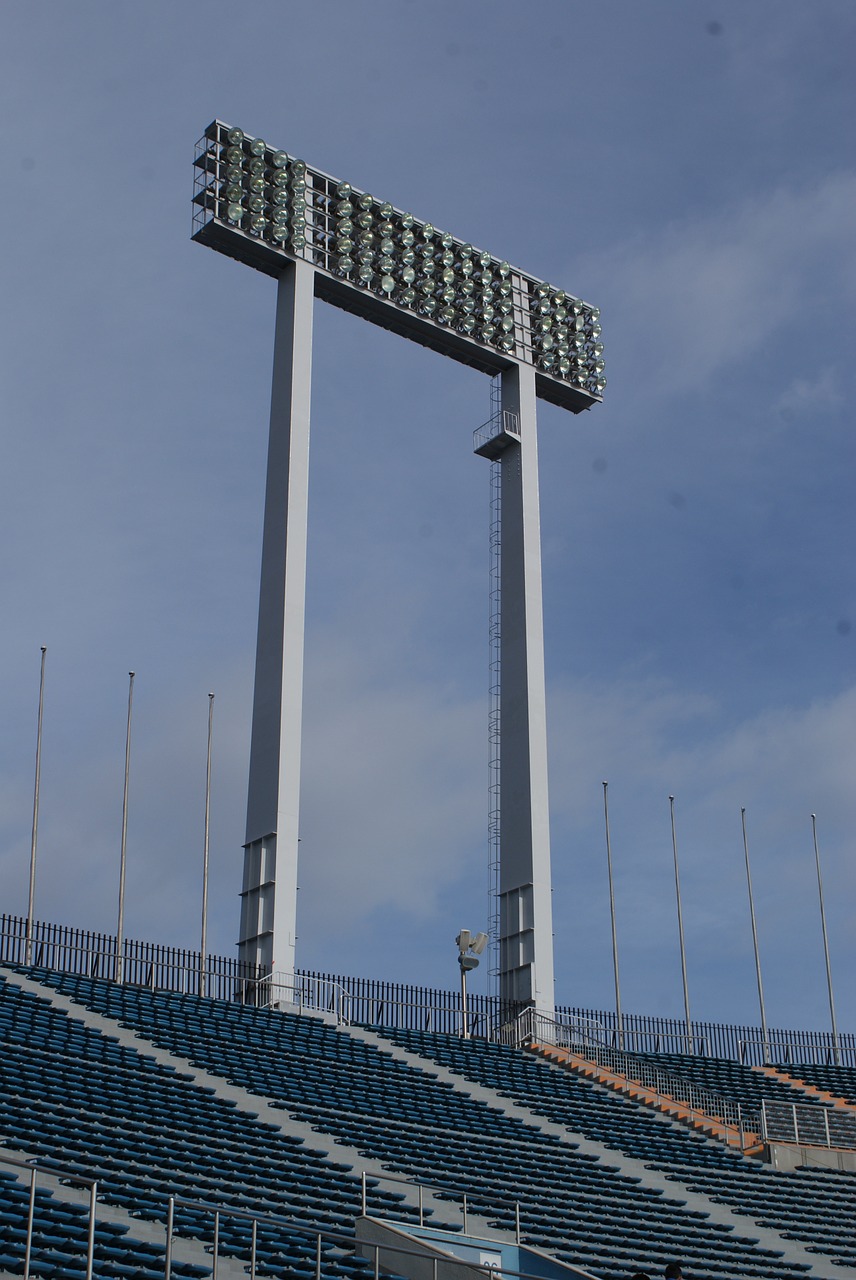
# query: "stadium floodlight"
{"points": [[265, 207], [323, 237]]}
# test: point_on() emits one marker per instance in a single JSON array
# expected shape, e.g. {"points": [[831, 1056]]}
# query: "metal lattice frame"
{"points": [[263, 206]]}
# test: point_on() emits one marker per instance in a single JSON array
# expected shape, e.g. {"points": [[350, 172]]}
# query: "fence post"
{"points": [[90, 1239], [318, 1257], [363, 1193], [170, 1221], [517, 1221], [826, 1125], [466, 1232], [421, 1205], [796, 1122], [216, 1243], [30, 1214], [253, 1244]]}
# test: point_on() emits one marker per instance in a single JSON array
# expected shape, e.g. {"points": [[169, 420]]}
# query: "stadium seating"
{"points": [[839, 1081], [76, 1099], [818, 1208], [59, 1244], [573, 1204]]}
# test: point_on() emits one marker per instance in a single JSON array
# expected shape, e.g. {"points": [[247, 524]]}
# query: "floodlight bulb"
{"points": [[235, 136], [257, 147]]}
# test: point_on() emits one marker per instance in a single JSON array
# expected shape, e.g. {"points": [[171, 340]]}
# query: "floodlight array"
{"points": [[275, 199]]}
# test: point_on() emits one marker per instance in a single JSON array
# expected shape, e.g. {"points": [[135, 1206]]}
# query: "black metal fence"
{"points": [[396, 1004], [145, 964]]}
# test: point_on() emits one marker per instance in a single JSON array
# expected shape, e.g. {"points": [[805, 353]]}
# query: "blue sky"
{"points": [[686, 167]]}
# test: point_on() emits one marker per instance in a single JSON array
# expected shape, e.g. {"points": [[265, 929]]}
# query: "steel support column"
{"points": [[526, 912], [269, 895]]}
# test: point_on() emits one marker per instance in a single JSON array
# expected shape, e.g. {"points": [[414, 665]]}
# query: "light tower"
{"points": [[323, 238]]}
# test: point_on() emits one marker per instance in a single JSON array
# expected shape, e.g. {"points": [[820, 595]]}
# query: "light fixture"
{"points": [[469, 949], [256, 192]]}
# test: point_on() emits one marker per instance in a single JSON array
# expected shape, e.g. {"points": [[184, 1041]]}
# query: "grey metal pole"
{"points": [[764, 1036], [31, 1211], [690, 1046], [28, 948], [120, 927], [836, 1052], [170, 1230], [203, 949], [465, 1032], [90, 1238], [619, 1021]]}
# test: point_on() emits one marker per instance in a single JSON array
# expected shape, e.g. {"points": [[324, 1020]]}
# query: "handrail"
{"points": [[794, 1053], [533, 1026], [808, 1125], [35, 1167], [297, 991], [447, 1192], [219, 1212]]}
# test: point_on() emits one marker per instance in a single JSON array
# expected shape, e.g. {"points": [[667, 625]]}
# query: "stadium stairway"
{"points": [[396, 1109], [709, 1125], [243, 1099], [814, 1092], [815, 1211]]}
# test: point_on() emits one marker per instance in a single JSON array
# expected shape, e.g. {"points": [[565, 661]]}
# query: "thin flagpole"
{"points": [[28, 949], [203, 950], [619, 1021], [765, 1037], [120, 928], [690, 1047], [836, 1054]]}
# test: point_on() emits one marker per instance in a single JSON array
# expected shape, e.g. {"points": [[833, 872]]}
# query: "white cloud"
{"points": [[702, 296]]}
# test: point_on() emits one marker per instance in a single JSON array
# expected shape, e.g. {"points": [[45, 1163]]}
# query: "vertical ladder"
{"points": [[494, 707]]}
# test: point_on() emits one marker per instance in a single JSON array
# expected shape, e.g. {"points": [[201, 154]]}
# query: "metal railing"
{"points": [[296, 993], [466, 1198], [792, 1053], [503, 423], [34, 1168], [808, 1125], [332, 1239], [398, 1005], [144, 964], [531, 1026]]}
